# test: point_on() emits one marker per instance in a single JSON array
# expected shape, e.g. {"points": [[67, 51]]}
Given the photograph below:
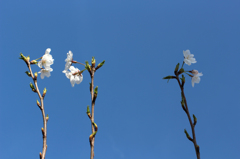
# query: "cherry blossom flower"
{"points": [[196, 77], [74, 76], [68, 61], [188, 58], [45, 72], [46, 60]]}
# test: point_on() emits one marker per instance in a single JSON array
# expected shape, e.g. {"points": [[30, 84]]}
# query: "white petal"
{"points": [[186, 53], [72, 80], [187, 62], [42, 75], [48, 50], [40, 64]]}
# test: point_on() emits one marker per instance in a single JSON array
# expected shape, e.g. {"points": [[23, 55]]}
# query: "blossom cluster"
{"points": [[71, 72], [46, 62], [189, 59]]}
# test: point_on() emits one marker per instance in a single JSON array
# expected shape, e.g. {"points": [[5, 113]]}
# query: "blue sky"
{"points": [[138, 113]]}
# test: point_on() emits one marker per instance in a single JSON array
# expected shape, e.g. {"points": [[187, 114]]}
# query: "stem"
{"points": [[43, 154], [190, 120], [80, 63], [92, 115]]}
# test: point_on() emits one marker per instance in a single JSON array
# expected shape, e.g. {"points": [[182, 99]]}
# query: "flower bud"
{"points": [[33, 62], [195, 72]]}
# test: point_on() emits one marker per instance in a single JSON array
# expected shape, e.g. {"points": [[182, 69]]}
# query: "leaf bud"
{"points": [[181, 71], [28, 73], [38, 103], [93, 61], [44, 92], [23, 57], [176, 68], [27, 58], [32, 86], [100, 64], [95, 126], [183, 80], [35, 75], [96, 90], [47, 117], [187, 135], [194, 120], [42, 131], [87, 66]]}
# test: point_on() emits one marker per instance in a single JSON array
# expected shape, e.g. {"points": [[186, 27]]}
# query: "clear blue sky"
{"points": [[138, 113]]}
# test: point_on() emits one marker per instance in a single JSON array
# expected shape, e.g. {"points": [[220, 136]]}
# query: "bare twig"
{"points": [[41, 106], [185, 108], [91, 116]]}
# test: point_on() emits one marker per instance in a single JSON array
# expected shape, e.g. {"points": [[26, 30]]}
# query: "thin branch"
{"points": [[92, 140], [44, 130], [189, 118]]}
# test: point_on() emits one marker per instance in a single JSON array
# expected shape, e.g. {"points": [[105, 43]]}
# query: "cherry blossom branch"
{"points": [[188, 59], [40, 105]]}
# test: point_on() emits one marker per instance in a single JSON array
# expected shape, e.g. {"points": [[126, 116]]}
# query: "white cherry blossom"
{"points": [[46, 60], [74, 78], [68, 61], [196, 77], [45, 72], [188, 58]]}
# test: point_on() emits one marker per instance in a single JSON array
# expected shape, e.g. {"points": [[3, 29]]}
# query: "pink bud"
{"points": [[195, 72]]}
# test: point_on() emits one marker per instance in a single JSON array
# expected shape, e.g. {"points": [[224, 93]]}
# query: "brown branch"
{"points": [[44, 129], [92, 140], [189, 118]]}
